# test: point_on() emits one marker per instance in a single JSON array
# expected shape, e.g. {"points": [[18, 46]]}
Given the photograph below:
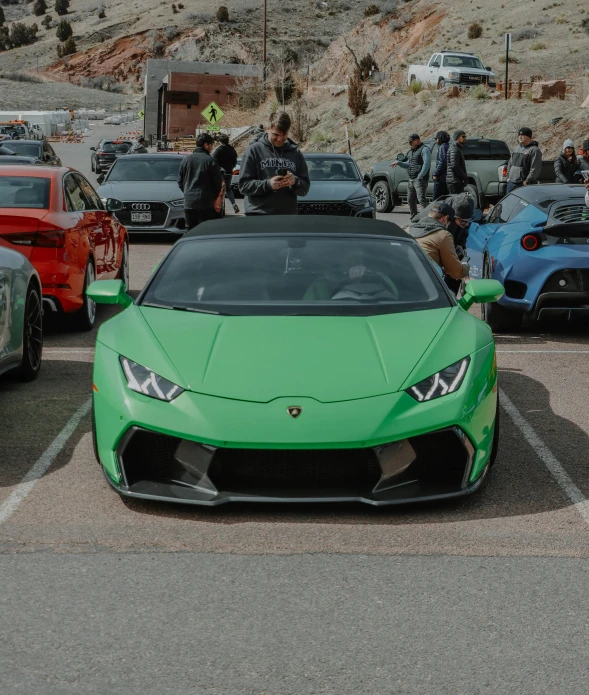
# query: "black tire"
{"points": [[92, 164], [124, 269], [495, 447], [85, 318], [441, 83], [32, 336], [384, 199], [499, 319]]}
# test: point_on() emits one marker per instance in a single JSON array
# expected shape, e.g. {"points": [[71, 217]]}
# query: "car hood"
{"points": [[334, 191], [262, 358], [160, 191]]}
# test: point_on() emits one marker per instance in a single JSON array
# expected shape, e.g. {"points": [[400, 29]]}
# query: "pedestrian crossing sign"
{"points": [[213, 113]]}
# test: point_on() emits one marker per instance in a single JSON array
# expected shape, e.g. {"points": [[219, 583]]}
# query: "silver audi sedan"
{"points": [[147, 185], [21, 316]]}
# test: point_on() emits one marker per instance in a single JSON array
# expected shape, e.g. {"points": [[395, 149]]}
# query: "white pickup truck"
{"points": [[452, 67]]}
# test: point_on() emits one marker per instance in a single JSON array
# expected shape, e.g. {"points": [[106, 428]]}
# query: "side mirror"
{"points": [[109, 292], [114, 205], [100, 178], [481, 292], [489, 69], [366, 178], [401, 157], [435, 65], [93, 149]]}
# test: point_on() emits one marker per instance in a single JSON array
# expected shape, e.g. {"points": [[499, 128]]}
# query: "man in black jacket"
{"points": [[226, 157], [456, 176], [200, 178]]}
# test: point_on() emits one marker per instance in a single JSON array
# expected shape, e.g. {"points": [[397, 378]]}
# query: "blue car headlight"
{"points": [[440, 384], [359, 203], [143, 380]]}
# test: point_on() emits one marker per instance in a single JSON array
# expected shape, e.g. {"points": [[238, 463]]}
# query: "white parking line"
{"points": [[547, 352], [42, 465], [547, 457]]}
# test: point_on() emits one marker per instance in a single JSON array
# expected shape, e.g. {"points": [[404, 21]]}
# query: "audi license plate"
{"points": [[141, 217]]}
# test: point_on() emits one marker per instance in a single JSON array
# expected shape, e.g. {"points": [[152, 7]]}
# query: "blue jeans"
{"points": [[512, 186]]}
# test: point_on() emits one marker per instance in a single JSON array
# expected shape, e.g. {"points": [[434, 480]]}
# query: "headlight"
{"points": [[363, 202], [440, 384], [143, 380], [453, 75], [177, 203]]}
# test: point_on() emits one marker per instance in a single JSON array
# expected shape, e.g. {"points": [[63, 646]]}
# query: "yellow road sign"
{"points": [[213, 113]]}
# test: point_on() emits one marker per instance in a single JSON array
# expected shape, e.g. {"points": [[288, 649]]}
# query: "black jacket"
{"points": [[564, 169], [226, 157], [442, 161], [200, 178], [456, 166]]}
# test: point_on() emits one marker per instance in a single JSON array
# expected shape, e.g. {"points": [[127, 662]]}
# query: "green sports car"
{"points": [[288, 359]]}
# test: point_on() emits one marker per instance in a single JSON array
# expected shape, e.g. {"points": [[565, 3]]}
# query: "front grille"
{"points": [[304, 472], [469, 78], [338, 209], [150, 456], [159, 214]]}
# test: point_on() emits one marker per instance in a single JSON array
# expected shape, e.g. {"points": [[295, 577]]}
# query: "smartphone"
{"points": [[585, 175], [284, 172]]}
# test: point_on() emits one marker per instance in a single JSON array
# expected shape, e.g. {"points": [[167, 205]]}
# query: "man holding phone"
{"points": [[273, 172]]}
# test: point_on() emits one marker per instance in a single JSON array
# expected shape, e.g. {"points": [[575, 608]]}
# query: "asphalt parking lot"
{"points": [[484, 595]]}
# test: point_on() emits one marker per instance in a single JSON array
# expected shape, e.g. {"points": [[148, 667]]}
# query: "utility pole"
{"points": [[507, 47], [265, 37]]}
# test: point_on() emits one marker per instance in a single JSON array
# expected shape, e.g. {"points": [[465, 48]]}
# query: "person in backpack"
{"points": [[226, 157], [566, 165], [439, 175], [417, 165], [525, 163], [200, 179], [456, 175]]}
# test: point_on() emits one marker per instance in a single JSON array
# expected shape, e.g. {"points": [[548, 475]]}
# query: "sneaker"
{"points": [[236, 209]]}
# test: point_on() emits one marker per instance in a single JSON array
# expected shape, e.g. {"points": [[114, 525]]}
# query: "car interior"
{"points": [[24, 192], [127, 169], [330, 170]]}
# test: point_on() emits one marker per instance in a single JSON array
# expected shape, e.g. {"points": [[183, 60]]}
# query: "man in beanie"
{"points": [[417, 166], [583, 160], [439, 175], [138, 146], [525, 163], [432, 235], [566, 165], [456, 176]]}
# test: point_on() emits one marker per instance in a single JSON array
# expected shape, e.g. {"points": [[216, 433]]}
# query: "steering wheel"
{"points": [[368, 276]]}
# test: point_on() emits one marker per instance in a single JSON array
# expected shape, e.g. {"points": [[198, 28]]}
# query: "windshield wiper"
{"points": [[179, 308]]}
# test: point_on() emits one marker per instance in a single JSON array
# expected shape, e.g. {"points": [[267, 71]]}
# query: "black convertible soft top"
{"points": [[295, 224]]}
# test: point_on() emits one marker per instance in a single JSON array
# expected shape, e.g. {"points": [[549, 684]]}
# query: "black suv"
{"points": [[38, 149], [106, 152]]}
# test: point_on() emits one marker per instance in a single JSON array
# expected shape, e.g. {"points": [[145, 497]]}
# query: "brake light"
{"points": [[53, 239], [503, 170], [236, 172], [530, 242]]}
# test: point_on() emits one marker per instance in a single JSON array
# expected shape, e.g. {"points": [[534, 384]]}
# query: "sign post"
{"points": [[507, 47], [213, 114]]}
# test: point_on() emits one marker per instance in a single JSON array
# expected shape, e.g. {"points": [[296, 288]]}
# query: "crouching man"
{"points": [[431, 233]]}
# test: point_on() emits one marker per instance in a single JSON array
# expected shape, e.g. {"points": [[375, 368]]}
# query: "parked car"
{"points": [[11, 160], [21, 324], [452, 67], [486, 163], [105, 153], [268, 360], [148, 186], [54, 217], [336, 188], [39, 149], [536, 243]]}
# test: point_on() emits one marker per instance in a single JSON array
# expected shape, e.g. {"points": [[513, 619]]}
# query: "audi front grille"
{"points": [[159, 214]]}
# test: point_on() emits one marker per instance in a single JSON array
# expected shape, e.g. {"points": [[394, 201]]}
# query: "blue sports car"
{"points": [[535, 241]]}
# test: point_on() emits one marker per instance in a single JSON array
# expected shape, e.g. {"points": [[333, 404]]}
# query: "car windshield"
{"points": [[24, 192], [28, 149], [463, 62], [330, 169], [145, 169], [13, 129], [296, 275], [118, 147]]}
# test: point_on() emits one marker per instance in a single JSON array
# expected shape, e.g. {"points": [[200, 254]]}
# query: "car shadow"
{"points": [[519, 484], [547, 331]]}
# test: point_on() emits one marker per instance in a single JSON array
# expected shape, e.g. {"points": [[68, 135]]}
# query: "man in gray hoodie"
{"points": [[273, 172], [525, 164]]}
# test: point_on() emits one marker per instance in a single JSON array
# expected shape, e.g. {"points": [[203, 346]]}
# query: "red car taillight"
{"points": [[53, 239], [531, 242], [236, 172]]}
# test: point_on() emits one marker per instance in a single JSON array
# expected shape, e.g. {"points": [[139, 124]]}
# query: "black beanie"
{"points": [[457, 134]]}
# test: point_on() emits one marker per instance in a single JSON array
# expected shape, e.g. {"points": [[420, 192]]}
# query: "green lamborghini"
{"points": [[280, 359]]}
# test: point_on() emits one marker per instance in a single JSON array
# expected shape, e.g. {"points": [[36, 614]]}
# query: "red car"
{"points": [[55, 218]]}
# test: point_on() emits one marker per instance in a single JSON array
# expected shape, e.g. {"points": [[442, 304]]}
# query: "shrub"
{"points": [[285, 87], [180, 6], [39, 8], [537, 46], [4, 39], [46, 21], [62, 7], [389, 7], [171, 33], [22, 35], [478, 92], [512, 59], [525, 33], [415, 87], [371, 10], [2, 20], [21, 77], [366, 65], [174, 9], [101, 14], [69, 47], [585, 24], [475, 30], [64, 30], [357, 98], [222, 14]]}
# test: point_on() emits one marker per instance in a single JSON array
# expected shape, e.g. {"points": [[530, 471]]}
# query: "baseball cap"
{"points": [[443, 209], [525, 131], [413, 137]]}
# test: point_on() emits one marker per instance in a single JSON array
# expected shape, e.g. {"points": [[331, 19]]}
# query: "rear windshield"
{"points": [[117, 147], [28, 149], [13, 129], [144, 169], [297, 276], [24, 192], [330, 169], [485, 149]]}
